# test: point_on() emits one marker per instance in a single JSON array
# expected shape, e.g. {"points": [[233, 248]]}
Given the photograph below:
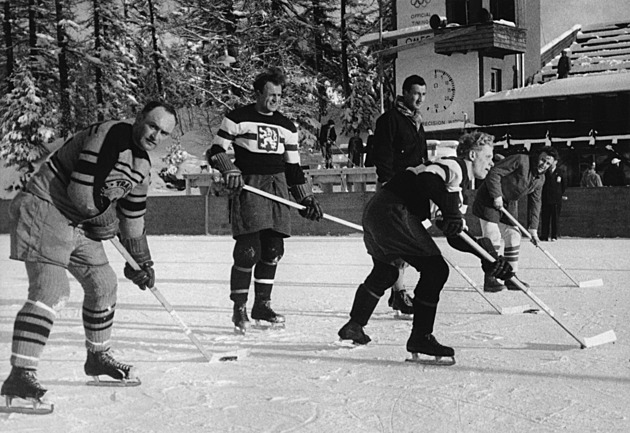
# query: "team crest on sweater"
{"points": [[116, 189], [268, 138]]}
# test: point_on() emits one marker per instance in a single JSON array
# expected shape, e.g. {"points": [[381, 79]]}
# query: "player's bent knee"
{"points": [[48, 284], [99, 283], [382, 277]]}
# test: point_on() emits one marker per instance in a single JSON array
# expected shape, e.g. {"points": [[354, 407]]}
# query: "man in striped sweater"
{"points": [[266, 154], [88, 191]]}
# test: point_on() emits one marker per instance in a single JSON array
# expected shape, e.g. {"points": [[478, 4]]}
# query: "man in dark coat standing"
{"points": [[552, 197]]}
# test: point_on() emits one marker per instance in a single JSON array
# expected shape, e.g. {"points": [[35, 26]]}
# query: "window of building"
{"points": [[495, 80]]}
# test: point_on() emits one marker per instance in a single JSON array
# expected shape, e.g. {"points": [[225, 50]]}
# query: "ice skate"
{"points": [[23, 393], [265, 317], [354, 332], [402, 304], [240, 319], [492, 285], [512, 286], [426, 350], [103, 364]]}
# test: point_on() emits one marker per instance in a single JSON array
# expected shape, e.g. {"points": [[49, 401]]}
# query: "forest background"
{"points": [[68, 64]]}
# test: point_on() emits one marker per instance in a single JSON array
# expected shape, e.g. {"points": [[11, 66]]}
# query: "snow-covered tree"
{"points": [[27, 124]]}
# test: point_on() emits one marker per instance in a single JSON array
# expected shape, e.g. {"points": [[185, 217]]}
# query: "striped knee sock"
{"points": [[240, 279], [31, 329], [264, 275], [97, 322], [511, 255]]}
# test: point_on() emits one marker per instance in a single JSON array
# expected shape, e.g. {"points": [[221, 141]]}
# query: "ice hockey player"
{"points": [[511, 179], [88, 191], [266, 154], [393, 225]]}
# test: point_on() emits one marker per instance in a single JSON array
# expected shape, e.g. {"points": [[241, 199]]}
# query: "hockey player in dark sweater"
{"points": [[266, 153], [393, 222]]}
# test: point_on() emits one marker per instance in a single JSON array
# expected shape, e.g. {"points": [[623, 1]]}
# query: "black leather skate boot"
{"points": [[240, 319], [353, 331]]}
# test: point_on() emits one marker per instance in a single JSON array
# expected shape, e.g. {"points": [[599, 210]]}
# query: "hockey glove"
{"points": [[143, 278], [451, 225], [138, 248], [231, 174], [312, 210], [103, 226], [500, 268]]}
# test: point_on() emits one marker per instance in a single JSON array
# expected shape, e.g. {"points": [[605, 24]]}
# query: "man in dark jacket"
{"points": [[399, 142], [552, 196]]}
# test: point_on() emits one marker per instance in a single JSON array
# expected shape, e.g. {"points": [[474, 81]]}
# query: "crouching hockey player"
{"points": [[266, 157], [394, 230], [91, 188]]}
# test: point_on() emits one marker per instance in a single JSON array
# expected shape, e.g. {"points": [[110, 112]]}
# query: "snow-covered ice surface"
{"points": [[514, 373]]}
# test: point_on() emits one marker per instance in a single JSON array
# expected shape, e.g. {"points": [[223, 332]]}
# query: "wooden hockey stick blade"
{"points": [[300, 207], [592, 283], [515, 310], [229, 356], [603, 338]]}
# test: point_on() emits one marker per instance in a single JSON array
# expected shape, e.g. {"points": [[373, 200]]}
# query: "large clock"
{"points": [[440, 91]]}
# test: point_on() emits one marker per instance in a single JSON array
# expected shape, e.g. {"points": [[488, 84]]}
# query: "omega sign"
{"points": [[418, 3]]}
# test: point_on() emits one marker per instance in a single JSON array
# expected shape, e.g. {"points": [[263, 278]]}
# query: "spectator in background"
{"points": [[399, 143], [590, 178], [355, 151], [552, 196], [369, 149], [564, 64], [327, 139], [614, 175]]}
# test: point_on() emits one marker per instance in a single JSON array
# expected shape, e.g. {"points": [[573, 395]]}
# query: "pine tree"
{"points": [[27, 124]]}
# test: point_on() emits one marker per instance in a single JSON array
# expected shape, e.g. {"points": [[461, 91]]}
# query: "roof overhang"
{"points": [[572, 86]]}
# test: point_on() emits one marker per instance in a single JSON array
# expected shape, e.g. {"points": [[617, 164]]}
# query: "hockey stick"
{"points": [[300, 207], [591, 283], [606, 337], [169, 308], [426, 224], [509, 310]]}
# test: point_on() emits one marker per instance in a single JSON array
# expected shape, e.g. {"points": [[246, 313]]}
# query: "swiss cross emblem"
{"points": [[268, 138]]}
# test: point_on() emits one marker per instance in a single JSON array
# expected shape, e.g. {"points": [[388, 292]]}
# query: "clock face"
{"points": [[440, 91]]}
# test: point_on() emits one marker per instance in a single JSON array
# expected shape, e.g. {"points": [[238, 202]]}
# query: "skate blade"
{"points": [[264, 325], [114, 383], [420, 358], [230, 356], [348, 344], [402, 316], [26, 406], [240, 331]]}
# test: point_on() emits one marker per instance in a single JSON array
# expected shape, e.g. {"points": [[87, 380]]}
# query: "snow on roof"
{"points": [[589, 84]]}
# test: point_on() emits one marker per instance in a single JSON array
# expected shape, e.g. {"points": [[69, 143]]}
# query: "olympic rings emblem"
{"points": [[418, 3]]}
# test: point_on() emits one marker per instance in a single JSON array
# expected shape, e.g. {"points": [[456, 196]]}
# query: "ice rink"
{"points": [[514, 372]]}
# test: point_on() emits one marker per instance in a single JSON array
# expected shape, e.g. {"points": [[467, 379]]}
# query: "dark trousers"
{"points": [[549, 216]]}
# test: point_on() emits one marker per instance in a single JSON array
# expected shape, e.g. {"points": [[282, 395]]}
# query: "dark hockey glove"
{"points": [[103, 226], [231, 174], [312, 210], [451, 225], [500, 268], [143, 278], [138, 248]]}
